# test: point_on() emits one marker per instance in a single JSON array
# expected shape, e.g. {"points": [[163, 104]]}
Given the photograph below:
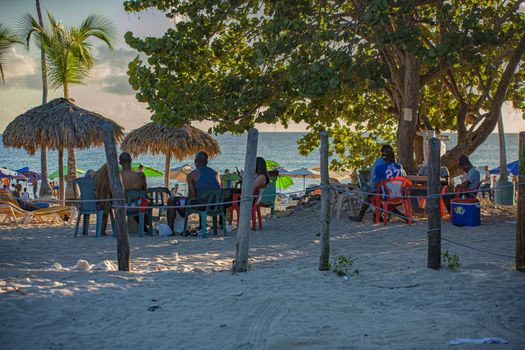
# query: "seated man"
{"points": [[384, 167], [389, 171], [470, 185], [132, 180], [202, 178]]}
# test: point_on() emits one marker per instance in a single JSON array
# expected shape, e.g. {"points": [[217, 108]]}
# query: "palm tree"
{"points": [[69, 57], [26, 33], [7, 39]]}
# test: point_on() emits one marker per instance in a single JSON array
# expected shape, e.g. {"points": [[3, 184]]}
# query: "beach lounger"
{"points": [[13, 214], [17, 215], [51, 214]]}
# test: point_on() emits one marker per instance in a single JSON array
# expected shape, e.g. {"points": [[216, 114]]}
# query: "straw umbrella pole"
{"points": [[172, 142], [59, 124]]}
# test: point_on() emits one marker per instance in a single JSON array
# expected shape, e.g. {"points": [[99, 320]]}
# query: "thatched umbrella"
{"points": [[58, 125], [172, 142]]}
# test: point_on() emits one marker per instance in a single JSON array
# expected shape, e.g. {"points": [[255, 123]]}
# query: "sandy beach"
{"points": [[182, 294]]}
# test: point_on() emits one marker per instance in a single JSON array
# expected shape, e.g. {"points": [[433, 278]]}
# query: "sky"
{"points": [[107, 91]]}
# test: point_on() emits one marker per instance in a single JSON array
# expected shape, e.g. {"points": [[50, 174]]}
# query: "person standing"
{"points": [[25, 195], [18, 187], [485, 183], [34, 182]]}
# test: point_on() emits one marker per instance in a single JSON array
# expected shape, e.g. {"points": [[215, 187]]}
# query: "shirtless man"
{"points": [[130, 179]]}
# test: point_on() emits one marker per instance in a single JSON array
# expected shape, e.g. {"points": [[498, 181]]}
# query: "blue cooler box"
{"points": [[465, 212]]}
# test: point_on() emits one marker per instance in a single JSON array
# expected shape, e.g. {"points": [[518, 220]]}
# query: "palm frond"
{"points": [[8, 38], [27, 26], [69, 53], [100, 27]]}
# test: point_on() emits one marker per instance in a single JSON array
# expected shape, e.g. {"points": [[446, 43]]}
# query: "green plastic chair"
{"points": [[268, 196], [86, 187], [131, 199], [230, 180], [156, 196], [210, 207]]}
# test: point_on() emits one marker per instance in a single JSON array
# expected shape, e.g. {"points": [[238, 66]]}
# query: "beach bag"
{"points": [[143, 204], [164, 230], [178, 223]]}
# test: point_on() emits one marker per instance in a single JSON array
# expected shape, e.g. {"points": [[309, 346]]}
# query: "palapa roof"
{"points": [[174, 142], [58, 124]]}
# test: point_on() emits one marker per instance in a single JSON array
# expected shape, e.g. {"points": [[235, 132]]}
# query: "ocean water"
{"points": [[280, 147]]}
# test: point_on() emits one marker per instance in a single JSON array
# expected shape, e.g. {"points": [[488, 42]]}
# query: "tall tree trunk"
{"points": [[473, 139], [45, 189], [61, 176], [406, 131], [419, 149], [502, 150], [71, 160], [167, 172], [71, 172]]}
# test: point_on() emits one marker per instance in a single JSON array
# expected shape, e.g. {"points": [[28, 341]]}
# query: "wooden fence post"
{"points": [[245, 216], [117, 191], [324, 263], [61, 176], [433, 205], [520, 226]]}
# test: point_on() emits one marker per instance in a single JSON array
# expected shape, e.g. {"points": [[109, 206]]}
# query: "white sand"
{"points": [[284, 302]]}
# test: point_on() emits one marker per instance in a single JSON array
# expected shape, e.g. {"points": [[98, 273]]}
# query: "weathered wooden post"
{"points": [[324, 263], [117, 191], [245, 216], [520, 226], [433, 206], [61, 176]]}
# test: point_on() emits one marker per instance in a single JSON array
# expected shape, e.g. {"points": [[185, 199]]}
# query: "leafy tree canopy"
{"points": [[350, 67]]}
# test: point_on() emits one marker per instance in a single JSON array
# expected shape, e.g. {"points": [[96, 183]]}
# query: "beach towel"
{"points": [[458, 341]]}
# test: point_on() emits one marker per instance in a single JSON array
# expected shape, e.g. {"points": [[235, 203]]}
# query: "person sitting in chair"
{"points": [[202, 178], [470, 184], [261, 178], [384, 168], [132, 180]]}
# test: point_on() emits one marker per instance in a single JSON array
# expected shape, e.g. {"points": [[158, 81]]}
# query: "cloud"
{"points": [[111, 62], [29, 82], [109, 73], [110, 70], [21, 71], [16, 64], [117, 85]]}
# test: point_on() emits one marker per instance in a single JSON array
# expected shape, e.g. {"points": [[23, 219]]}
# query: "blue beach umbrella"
{"points": [[512, 168], [23, 170]]}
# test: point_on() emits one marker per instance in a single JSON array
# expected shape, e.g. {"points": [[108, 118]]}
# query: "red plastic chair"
{"points": [[462, 189], [392, 193], [256, 212], [234, 207], [441, 202]]}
